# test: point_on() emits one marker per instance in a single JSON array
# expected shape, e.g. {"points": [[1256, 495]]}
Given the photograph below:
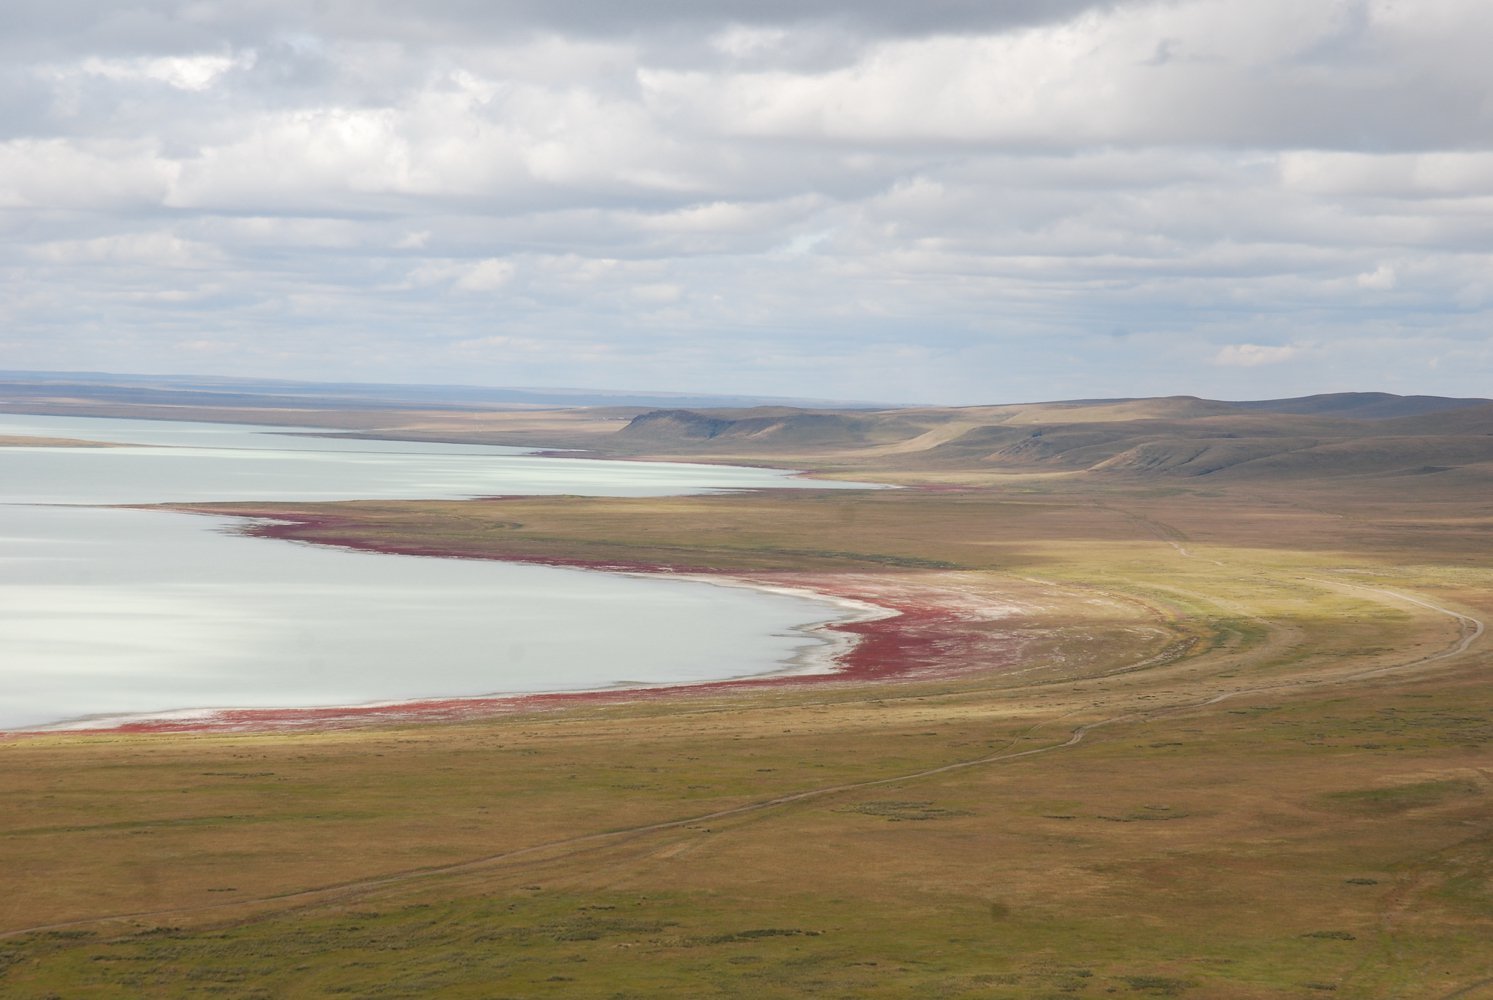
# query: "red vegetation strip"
{"points": [[923, 637]]}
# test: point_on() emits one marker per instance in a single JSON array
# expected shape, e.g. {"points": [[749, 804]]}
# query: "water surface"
{"points": [[109, 612], [201, 462]]}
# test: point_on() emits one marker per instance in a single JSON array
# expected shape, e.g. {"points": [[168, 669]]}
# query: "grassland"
{"points": [[1243, 750]]}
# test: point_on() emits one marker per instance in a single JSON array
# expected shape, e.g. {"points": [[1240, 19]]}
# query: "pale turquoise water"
{"points": [[108, 612], [196, 461]]}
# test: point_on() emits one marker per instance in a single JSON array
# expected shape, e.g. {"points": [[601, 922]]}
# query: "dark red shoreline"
{"points": [[921, 637]]}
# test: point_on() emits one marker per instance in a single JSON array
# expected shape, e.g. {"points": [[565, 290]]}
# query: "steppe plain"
{"points": [[1188, 699]]}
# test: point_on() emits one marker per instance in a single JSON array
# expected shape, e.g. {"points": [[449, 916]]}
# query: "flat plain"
{"points": [[1186, 701]]}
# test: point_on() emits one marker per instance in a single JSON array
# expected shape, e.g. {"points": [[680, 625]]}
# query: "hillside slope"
{"points": [[1179, 437]]}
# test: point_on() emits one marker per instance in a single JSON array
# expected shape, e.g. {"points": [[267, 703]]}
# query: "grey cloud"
{"points": [[295, 68], [24, 104], [177, 26], [722, 195]]}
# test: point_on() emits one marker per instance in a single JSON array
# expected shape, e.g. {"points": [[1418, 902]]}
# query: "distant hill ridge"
{"points": [[1362, 405], [1358, 405], [795, 425], [1334, 434]]}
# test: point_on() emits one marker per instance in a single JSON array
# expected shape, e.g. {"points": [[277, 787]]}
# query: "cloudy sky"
{"points": [[949, 201]]}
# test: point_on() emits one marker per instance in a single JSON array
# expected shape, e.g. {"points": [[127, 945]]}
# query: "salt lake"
{"points": [[111, 613]]}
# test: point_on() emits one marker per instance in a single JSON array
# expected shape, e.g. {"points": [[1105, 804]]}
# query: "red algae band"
{"points": [[925, 631]]}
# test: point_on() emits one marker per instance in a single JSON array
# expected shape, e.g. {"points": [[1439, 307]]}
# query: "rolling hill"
{"points": [[1180, 437]]}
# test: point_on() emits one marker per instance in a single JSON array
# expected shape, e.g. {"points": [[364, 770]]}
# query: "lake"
{"points": [[108, 614]]}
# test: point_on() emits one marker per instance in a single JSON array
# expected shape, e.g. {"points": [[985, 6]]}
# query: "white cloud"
{"points": [[1395, 175], [657, 294], [52, 174], [486, 276], [158, 249], [499, 346], [1253, 355], [747, 41], [183, 72], [1381, 279]]}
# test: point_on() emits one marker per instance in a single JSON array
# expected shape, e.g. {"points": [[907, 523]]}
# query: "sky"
{"points": [[938, 202]]}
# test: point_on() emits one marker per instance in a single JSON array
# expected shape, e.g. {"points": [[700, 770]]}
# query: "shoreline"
{"points": [[892, 630]]}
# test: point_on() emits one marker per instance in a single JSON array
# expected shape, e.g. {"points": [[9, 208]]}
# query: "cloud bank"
{"points": [[944, 202]]}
